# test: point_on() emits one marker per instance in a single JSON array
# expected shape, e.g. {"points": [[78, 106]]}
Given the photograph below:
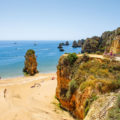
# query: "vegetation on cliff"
{"points": [[30, 63], [103, 75], [85, 78]]}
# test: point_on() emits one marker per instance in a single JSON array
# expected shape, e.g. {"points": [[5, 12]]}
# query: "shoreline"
{"points": [[27, 79], [18, 76], [26, 76]]}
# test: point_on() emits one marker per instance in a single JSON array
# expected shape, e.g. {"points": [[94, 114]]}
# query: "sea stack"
{"points": [[67, 43], [75, 44], [30, 63], [60, 45], [61, 49]]}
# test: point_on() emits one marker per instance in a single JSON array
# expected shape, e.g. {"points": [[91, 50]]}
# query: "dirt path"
{"points": [[32, 98], [96, 56]]}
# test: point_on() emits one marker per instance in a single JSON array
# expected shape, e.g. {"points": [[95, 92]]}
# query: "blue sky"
{"points": [[57, 19]]}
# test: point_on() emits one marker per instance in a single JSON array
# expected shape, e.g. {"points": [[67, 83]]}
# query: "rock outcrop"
{"points": [[75, 44], [81, 42], [91, 45], [78, 43], [30, 63], [100, 108], [105, 43], [60, 45], [66, 43], [115, 47], [81, 80]]}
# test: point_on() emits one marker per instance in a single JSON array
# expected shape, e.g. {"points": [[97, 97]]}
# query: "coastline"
{"points": [[26, 79], [25, 76]]}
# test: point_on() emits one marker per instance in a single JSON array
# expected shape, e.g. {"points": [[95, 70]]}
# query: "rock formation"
{"points": [[61, 49], [75, 44], [67, 43], [30, 63], [103, 43], [115, 47], [91, 45], [60, 45], [81, 42], [78, 43]]}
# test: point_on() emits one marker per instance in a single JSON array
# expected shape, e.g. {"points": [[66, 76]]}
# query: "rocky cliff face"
{"points": [[115, 47], [81, 82], [76, 103], [106, 42]]}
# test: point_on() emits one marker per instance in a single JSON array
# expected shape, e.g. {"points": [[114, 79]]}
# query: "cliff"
{"points": [[104, 43], [80, 81], [115, 47]]}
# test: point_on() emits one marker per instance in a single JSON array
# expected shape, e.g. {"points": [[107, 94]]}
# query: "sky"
{"points": [[57, 19]]}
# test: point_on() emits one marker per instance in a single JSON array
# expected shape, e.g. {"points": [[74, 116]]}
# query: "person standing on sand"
{"points": [[5, 90]]}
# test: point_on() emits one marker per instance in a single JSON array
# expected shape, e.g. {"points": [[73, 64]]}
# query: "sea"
{"points": [[12, 56]]}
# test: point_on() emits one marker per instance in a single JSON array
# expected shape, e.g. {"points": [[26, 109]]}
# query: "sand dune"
{"points": [[30, 98]]}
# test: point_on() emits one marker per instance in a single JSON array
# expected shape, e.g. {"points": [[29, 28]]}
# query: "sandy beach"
{"points": [[30, 98]]}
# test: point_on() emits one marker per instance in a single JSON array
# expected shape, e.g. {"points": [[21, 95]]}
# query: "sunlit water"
{"points": [[12, 56]]}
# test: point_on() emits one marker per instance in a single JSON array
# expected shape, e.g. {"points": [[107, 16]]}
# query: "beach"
{"points": [[30, 98]]}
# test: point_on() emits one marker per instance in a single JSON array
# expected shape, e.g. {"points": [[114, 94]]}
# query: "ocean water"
{"points": [[12, 56]]}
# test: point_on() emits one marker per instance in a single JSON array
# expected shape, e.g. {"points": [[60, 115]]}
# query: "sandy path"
{"points": [[32, 98], [91, 55]]}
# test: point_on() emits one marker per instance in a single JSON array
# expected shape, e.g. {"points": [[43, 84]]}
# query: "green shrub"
{"points": [[98, 52], [72, 57]]}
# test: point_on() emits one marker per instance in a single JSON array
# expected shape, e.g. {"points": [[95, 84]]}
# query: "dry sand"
{"points": [[30, 98]]}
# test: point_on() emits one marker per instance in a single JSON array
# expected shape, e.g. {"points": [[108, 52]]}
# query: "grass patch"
{"points": [[72, 57]]}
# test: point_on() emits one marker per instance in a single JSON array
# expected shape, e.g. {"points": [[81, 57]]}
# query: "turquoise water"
{"points": [[12, 56]]}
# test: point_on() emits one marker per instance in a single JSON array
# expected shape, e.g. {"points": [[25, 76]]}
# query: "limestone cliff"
{"points": [[82, 79], [115, 47], [109, 40]]}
